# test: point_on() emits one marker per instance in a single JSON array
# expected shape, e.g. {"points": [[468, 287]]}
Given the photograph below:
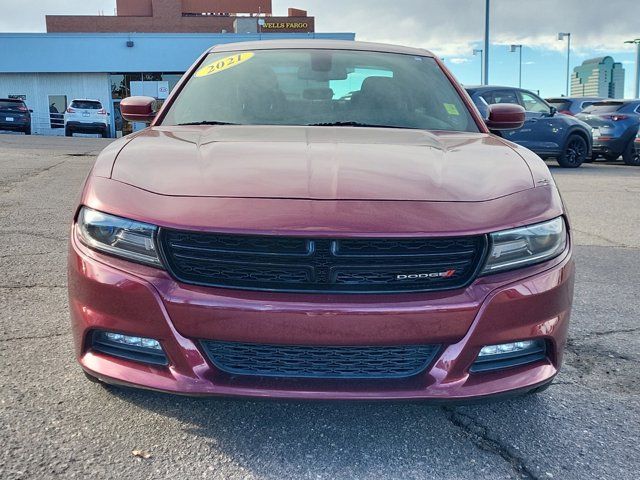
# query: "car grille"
{"points": [[289, 361], [298, 264]]}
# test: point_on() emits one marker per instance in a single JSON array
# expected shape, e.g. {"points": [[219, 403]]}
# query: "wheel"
{"points": [[27, 131], [631, 156], [68, 132], [104, 133], [574, 153]]}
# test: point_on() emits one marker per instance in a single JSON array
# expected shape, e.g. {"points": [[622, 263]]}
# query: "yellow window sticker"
{"points": [[451, 109], [224, 64]]}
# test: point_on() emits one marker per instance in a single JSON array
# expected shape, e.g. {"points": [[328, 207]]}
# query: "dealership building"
{"points": [[99, 57]]}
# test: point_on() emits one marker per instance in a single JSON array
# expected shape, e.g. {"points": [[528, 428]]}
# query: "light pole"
{"points": [[485, 78], [478, 51], [637, 90], [513, 48], [561, 36]]}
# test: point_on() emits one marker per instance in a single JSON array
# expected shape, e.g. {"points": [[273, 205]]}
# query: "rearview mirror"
{"points": [[505, 116], [138, 109]]}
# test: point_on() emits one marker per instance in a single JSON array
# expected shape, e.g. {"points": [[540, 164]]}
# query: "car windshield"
{"points": [[603, 107], [86, 105], [320, 88]]}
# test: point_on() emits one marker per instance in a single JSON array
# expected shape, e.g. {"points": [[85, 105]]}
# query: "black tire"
{"points": [[574, 153], [68, 132], [105, 133], [27, 131], [631, 156]]}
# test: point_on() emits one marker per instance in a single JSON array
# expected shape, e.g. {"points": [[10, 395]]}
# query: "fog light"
{"points": [[137, 341], [504, 355], [139, 349], [506, 348]]}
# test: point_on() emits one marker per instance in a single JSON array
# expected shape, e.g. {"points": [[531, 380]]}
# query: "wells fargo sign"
{"points": [[290, 24]]}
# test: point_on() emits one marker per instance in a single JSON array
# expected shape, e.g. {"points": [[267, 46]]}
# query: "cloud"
{"points": [[459, 60], [451, 28]]}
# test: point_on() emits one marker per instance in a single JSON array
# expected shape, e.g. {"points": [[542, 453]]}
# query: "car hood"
{"points": [[321, 163]]}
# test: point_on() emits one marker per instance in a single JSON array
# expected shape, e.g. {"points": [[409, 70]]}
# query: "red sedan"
{"points": [[320, 219]]}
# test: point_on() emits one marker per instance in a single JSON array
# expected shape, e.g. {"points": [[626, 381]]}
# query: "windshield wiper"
{"points": [[206, 122], [352, 124]]}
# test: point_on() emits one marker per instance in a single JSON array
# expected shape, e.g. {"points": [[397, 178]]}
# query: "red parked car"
{"points": [[320, 219]]}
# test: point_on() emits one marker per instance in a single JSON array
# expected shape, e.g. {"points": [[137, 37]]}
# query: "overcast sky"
{"points": [[450, 28]]}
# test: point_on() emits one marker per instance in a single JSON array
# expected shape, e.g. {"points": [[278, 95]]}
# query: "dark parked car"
{"points": [[268, 237], [572, 105], [14, 115], [544, 132], [615, 124]]}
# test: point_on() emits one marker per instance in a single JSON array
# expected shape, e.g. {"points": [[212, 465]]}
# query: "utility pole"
{"points": [[561, 36], [513, 49], [637, 89], [478, 51], [485, 78]]}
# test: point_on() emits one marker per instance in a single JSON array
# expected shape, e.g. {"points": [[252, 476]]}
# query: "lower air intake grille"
{"points": [[289, 361], [321, 265]]}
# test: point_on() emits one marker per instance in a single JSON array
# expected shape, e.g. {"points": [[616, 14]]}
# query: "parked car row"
{"points": [[82, 116], [545, 132], [574, 130]]}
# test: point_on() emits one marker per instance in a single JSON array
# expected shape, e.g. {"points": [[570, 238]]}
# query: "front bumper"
{"points": [[111, 294]]}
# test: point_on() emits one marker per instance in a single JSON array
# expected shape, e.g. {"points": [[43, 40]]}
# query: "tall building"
{"points": [[598, 77]]}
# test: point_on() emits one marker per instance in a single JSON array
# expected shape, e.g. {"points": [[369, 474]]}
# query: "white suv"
{"points": [[86, 116]]}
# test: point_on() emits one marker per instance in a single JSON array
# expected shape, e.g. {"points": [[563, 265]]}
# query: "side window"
{"points": [[505, 96], [531, 103]]}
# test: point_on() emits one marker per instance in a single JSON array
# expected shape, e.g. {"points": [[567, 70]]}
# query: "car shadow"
{"points": [[273, 438]]}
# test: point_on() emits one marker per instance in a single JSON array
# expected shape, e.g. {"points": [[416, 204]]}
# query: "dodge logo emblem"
{"points": [[417, 276]]}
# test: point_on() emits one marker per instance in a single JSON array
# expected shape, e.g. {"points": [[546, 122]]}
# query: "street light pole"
{"points": [[478, 51], [561, 36], [485, 78], [513, 49], [637, 89]]}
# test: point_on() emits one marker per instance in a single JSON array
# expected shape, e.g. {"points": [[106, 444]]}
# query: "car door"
{"points": [[521, 136], [542, 132]]}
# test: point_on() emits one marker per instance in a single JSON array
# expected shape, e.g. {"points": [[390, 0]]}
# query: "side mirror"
{"points": [[138, 109], [505, 116], [30, 110], [552, 111]]}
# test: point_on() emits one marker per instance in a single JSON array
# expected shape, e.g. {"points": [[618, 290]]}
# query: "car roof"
{"points": [[319, 44], [85, 100], [572, 99]]}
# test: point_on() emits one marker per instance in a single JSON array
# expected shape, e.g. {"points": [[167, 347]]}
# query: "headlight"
{"points": [[118, 236], [525, 246]]}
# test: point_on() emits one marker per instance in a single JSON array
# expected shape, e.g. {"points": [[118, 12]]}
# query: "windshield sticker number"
{"points": [[224, 64], [451, 109]]}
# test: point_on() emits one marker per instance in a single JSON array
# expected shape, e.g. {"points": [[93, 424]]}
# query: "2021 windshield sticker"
{"points": [[224, 64]]}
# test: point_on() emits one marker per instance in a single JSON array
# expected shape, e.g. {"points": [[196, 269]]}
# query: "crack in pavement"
{"points": [[34, 285], [606, 332], [28, 233], [12, 184], [481, 438], [34, 337]]}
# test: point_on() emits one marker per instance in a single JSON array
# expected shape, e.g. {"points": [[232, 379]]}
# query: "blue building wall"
{"points": [[108, 52]]}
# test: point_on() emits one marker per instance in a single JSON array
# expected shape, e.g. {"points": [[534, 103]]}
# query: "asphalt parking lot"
{"points": [[57, 424]]}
